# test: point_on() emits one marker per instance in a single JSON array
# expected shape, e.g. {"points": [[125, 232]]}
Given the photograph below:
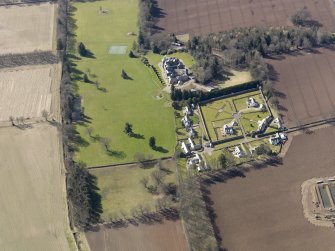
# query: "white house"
{"points": [[184, 147], [186, 121], [227, 130], [263, 124], [277, 122], [251, 102], [195, 160], [193, 146], [278, 139], [238, 153], [192, 133], [187, 111]]}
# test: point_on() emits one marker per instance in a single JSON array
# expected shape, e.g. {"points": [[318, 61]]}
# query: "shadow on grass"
{"points": [[137, 136], [95, 198], [117, 154], [160, 149]]}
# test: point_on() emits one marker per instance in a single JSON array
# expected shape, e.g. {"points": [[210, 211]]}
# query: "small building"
{"points": [[277, 122], [192, 133], [188, 110], [238, 153], [195, 160], [263, 124], [227, 130], [251, 102], [184, 148], [278, 138], [193, 146], [186, 121]]}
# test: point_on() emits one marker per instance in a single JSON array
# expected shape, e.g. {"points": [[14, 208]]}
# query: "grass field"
{"points": [[133, 100], [236, 78], [121, 190]]}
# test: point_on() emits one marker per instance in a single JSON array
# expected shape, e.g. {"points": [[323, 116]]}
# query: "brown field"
{"points": [[168, 236], [198, 17], [33, 211], [305, 86], [27, 91], [26, 28], [263, 211]]}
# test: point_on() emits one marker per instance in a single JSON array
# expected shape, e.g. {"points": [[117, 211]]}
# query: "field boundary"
{"points": [[129, 163], [27, 2]]}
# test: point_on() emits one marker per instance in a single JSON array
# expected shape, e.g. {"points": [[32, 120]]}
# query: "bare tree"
{"points": [[105, 143], [158, 177], [45, 114], [144, 181], [11, 118], [90, 131]]}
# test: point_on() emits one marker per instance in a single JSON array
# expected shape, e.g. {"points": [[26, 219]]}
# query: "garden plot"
{"points": [[28, 91], [27, 28], [234, 112]]}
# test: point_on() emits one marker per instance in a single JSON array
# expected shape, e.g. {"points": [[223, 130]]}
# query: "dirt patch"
{"points": [[26, 28], [32, 190], [263, 210], [304, 86], [202, 17], [27, 91], [163, 237]]}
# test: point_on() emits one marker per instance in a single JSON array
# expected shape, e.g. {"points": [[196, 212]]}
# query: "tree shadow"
{"points": [[95, 198], [137, 136], [160, 149], [116, 154]]}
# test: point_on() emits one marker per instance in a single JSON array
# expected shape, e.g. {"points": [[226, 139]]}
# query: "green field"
{"points": [[121, 190], [138, 100]]}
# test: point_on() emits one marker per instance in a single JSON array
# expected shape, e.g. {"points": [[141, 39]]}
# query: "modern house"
{"points": [[184, 148], [186, 121], [238, 153], [227, 130], [263, 124], [277, 122], [278, 138], [193, 146], [251, 102], [175, 70]]}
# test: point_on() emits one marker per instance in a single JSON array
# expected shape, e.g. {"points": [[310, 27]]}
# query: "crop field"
{"points": [[27, 91], [202, 17], [32, 190], [26, 28], [305, 86], [138, 99], [224, 111], [265, 205], [163, 237], [121, 190]]}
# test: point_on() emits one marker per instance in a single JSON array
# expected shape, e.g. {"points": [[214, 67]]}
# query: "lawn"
{"points": [[135, 100], [236, 78], [187, 59], [216, 111], [121, 190]]}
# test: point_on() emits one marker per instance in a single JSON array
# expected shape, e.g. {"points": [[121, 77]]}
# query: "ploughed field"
{"points": [[202, 17], [32, 190], [28, 91], [157, 237], [263, 211], [304, 86], [26, 28]]}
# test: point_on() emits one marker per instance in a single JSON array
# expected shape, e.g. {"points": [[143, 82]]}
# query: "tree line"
{"points": [[244, 48], [83, 200]]}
